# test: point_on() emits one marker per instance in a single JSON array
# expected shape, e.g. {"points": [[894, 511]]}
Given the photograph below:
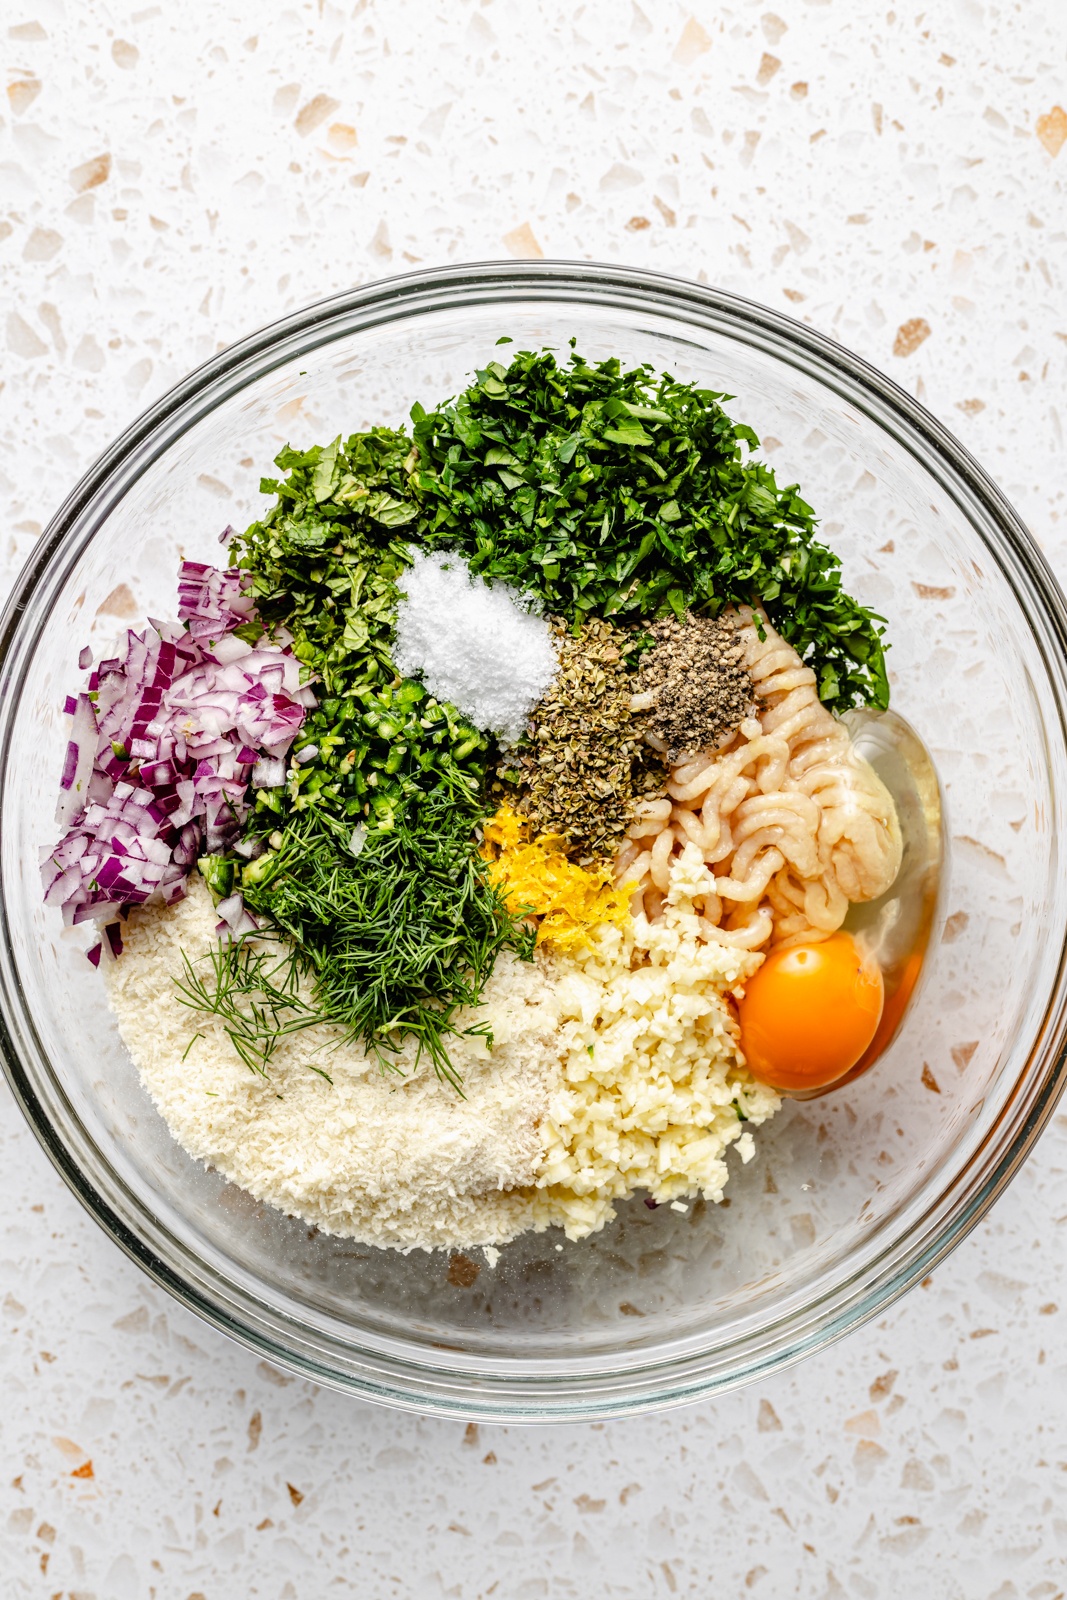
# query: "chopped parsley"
{"points": [[625, 494]]}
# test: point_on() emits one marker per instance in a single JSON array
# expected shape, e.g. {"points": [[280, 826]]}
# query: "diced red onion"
{"points": [[192, 723], [78, 763], [70, 765], [268, 774], [85, 658], [230, 909], [230, 648], [211, 600], [236, 921]]}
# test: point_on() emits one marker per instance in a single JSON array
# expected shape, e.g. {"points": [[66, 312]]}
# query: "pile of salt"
{"points": [[473, 643]]}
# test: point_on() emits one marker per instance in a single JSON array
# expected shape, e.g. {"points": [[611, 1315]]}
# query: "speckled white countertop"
{"points": [[172, 177]]}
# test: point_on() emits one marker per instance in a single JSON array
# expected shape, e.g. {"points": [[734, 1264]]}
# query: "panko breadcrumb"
{"points": [[388, 1159], [614, 1068]]}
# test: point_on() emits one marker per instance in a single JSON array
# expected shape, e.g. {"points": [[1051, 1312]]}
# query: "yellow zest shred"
{"points": [[537, 878]]}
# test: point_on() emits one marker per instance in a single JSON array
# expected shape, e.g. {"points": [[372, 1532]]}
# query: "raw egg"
{"points": [[810, 1012]]}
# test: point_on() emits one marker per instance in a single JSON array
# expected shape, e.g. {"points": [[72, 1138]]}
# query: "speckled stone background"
{"points": [[170, 178]]}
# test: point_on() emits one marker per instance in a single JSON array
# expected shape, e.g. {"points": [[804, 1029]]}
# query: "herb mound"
{"points": [[326, 562], [625, 494]]}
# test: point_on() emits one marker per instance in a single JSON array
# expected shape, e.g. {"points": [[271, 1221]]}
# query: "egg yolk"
{"points": [[810, 1012]]}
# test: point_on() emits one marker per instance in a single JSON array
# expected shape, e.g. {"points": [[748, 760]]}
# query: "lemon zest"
{"points": [[538, 880]]}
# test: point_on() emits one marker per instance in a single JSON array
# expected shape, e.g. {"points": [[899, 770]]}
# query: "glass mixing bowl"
{"points": [[852, 1197]]}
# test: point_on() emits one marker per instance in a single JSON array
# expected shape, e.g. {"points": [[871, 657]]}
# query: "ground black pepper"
{"points": [[696, 683]]}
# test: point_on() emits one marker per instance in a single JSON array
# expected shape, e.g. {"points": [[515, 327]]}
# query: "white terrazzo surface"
{"points": [[170, 178]]}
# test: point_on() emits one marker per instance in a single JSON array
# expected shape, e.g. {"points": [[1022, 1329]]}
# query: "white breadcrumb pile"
{"points": [[473, 643], [390, 1160], [655, 1089], [613, 1069]]}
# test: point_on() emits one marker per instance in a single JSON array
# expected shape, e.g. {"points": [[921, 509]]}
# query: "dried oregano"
{"points": [[584, 759]]}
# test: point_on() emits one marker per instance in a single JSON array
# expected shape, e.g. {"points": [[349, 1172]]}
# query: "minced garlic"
{"points": [[654, 1084]]}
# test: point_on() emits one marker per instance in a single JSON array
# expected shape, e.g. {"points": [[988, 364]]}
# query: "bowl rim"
{"points": [[497, 1390]]}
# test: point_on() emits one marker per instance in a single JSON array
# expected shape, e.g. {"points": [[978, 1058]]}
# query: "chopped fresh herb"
{"points": [[395, 941], [621, 494], [269, 986], [324, 564]]}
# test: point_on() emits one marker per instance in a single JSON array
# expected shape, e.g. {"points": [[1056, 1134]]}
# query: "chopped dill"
{"points": [[271, 1011], [394, 942]]}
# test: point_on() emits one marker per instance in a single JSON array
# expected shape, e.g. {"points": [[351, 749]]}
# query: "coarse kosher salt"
{"points": [[473, 643]]}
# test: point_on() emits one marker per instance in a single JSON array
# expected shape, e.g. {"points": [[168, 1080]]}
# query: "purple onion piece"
{"points": [[70, 765], [193, 724]]}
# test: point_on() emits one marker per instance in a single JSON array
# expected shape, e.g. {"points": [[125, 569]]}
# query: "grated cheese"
{"points": [[389, 1160]]}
